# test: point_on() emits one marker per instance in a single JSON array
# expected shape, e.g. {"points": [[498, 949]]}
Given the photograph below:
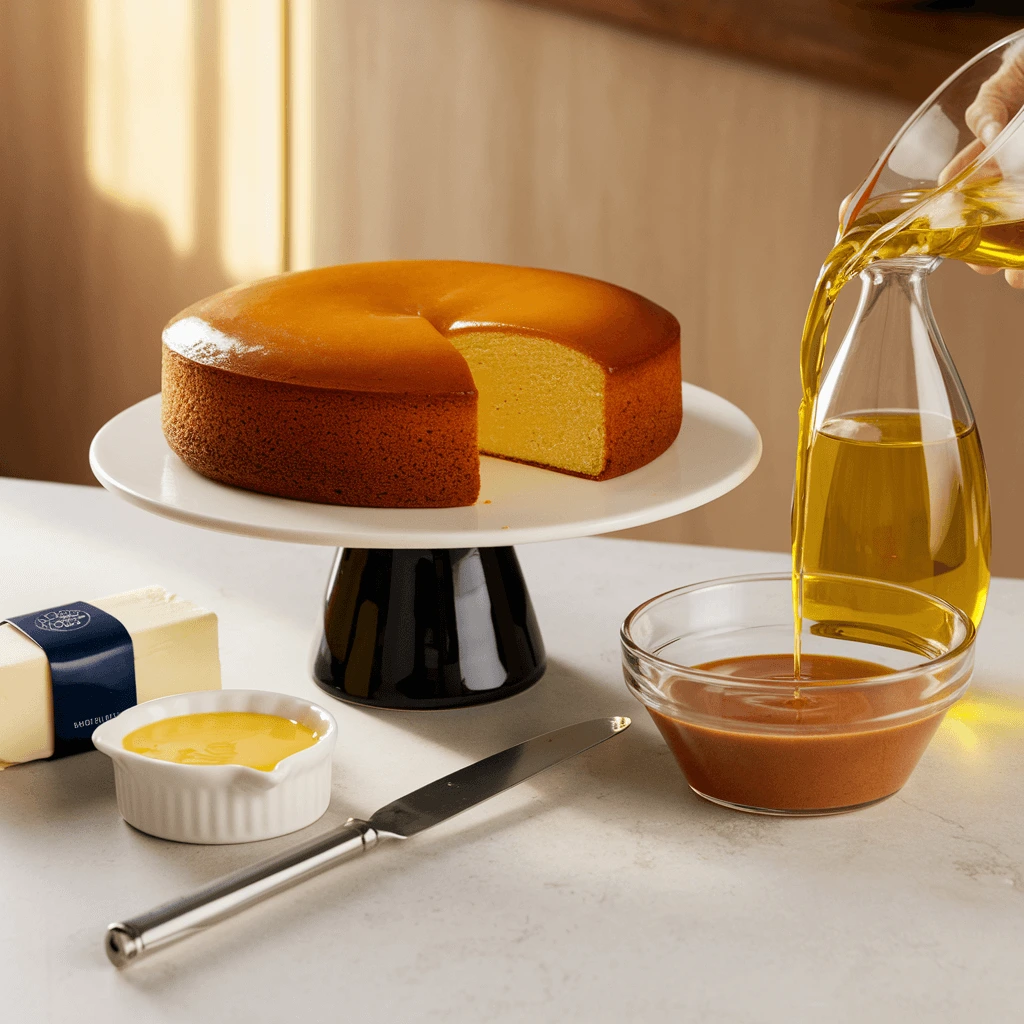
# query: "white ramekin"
{"points": [[220, 803]]}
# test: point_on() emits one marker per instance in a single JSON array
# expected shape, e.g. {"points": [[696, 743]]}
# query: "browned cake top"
{"points": [[383, 327]]}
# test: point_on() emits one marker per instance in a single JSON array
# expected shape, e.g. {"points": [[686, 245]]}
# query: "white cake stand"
{"points": [[427, 608]]}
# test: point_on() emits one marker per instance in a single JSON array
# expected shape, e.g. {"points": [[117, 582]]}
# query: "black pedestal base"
{"points": [[428, 629]]}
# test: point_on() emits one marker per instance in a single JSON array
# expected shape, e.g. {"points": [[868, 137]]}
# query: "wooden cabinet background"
{"points": [[147, 160]]}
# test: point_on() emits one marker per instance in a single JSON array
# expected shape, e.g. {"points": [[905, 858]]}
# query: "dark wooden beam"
{"points": [[902, 48]]}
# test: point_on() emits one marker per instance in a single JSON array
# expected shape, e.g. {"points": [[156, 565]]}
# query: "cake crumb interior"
{"points": [[538, 401]]}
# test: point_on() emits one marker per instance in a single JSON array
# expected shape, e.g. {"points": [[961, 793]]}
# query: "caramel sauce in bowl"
{"points": [[713, 665]]}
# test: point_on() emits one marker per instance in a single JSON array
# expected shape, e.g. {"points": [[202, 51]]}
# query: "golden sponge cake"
{"points": [[378, 384]]}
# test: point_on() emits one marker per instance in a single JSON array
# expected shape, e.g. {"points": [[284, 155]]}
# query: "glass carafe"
{"points": [[897, 484]]}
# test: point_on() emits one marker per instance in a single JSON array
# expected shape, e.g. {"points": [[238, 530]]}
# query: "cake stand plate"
{"points": [[716, 450], [427, 608]]}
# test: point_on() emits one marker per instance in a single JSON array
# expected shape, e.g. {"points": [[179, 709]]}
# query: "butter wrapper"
{"points": [[175, 650]]}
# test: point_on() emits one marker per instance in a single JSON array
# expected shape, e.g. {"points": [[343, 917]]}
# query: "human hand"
{"points": [[998, 100]]}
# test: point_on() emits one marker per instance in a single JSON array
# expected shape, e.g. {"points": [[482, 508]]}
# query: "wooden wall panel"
{"points": [[479, 129], [487, 130], [902, 48]]}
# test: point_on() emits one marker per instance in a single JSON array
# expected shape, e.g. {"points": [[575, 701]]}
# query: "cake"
{"points": [[379, 384]]}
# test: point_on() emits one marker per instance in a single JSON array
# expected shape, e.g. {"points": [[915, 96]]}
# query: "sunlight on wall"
{"points": [[142, 117], [251, 110], [301, 141], [140, 108]]}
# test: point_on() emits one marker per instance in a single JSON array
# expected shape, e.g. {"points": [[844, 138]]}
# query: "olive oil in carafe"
{"points": [[901, 497], [981, 223]]}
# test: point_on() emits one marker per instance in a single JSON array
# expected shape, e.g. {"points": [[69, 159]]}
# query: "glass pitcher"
{"points": [[938, 187]]}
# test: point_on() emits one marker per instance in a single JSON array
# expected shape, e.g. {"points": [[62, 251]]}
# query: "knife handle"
{"points": [[130, 940]]}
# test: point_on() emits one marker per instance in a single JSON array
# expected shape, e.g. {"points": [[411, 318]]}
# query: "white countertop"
{"points": [[601, 891]]}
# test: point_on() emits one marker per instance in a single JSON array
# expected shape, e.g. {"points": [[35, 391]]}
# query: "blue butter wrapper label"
{"points": [[92, 666]]}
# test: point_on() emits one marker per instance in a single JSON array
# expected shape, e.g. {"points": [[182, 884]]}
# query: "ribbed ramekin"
{"points": [[220, 803]]}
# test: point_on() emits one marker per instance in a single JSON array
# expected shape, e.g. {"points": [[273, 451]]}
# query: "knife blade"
{"points": [[129, 940], [447, 797]]}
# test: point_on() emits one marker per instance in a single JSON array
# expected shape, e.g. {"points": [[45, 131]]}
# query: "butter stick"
{"points": [[175, 647]]}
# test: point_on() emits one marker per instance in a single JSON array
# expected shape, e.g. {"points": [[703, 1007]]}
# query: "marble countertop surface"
{"points": [[601, 891]]}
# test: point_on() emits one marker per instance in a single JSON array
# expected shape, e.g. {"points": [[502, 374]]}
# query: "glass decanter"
{"points": [[897, 486]]}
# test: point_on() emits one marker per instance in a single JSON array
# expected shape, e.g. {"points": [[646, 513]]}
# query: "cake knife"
{"points": [[134, 938]]}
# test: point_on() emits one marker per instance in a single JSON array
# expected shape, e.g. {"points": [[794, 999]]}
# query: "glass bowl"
{"points": [[768, 745]]}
